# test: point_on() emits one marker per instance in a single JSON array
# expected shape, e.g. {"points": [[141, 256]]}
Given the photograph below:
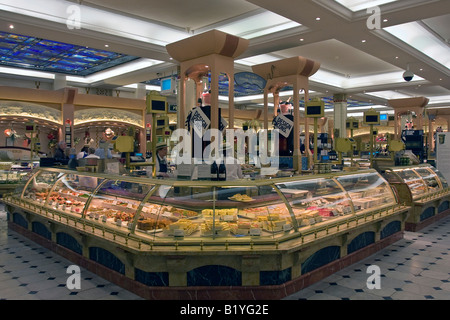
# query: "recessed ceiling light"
{"points": [[385, 20], [107, 45], [363, 41], [396, 57], [318, 18], [11, 26], [302, 39], [421, 69]]}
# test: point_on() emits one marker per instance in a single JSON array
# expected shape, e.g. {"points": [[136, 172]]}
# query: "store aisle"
{"points": [[416, 267]]}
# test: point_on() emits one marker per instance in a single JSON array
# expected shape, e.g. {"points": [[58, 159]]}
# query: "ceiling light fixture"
{"points": [[11, 26], [302, 39], [318, 19]]}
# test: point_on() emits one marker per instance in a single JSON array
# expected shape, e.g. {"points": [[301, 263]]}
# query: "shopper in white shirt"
{"points": [[83, 153], [92, 154]]}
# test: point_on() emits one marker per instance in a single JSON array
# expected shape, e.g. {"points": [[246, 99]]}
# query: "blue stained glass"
{"points": [[45, 55]]}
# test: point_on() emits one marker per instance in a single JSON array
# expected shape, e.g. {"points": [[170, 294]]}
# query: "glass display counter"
{"points": [[422, 187], [11, 177], [163, 209], [194, 235]]}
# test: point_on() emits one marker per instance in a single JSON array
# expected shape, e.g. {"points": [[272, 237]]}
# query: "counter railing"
{"points": [[430, 196]]}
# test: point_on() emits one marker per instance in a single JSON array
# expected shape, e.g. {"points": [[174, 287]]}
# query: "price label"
{"points": [[178, 233], [228, 217], [255, 231], [287, 227], [167, 214]]}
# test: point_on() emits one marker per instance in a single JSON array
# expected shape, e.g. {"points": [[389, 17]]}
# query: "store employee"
{"points": [[161, 160]]}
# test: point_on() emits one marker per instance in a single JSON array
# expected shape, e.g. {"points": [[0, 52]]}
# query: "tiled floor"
{"points": [[31, 272], [416, 267]]}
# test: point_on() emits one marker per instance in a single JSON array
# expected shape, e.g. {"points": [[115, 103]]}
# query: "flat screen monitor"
{"points": [[383, 117], [372, 119], [168, 86], [314, 111], [161, 122], [156, 104]]}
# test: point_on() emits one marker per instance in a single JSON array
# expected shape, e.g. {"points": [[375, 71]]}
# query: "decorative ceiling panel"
{"points": [[44, 55]]}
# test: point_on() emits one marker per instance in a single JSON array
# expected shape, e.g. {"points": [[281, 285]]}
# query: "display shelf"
{"points": [[11, 177], [166, 208], [425, 189], [248, 228]]}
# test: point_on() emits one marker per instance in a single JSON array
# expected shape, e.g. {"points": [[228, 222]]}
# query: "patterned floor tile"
{"points": [[415, 267]]}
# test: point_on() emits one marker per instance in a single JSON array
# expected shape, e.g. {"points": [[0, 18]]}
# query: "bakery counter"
{"points": [[167, 239], [10, 178], [424, 189]]}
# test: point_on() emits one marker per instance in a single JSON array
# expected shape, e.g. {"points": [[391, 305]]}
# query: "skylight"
{"points": [[258, 25], [20, 51], [356, 5], [415, 35]]}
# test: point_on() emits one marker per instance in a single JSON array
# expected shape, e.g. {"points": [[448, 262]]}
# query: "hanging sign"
{"points": [[199, 121], [283, 124]]}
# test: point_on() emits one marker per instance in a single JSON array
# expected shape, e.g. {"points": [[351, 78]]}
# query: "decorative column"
{"points": [[340, 115], [279, 74], [404, 106], [59, 82], [212, 51], [68, 115], [141, 91]]}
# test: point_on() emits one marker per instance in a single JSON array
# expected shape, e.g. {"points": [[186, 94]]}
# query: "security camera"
{"points": [[408, 75]]}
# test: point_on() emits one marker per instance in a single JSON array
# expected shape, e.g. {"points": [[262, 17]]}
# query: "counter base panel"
{"points": [[262, 292], [414, 227]]}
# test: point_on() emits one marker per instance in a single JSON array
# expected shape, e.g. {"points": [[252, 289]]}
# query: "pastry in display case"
{"points": [[178, 234], [422, 180], [156, 210], [12, 176], [422, 187]]}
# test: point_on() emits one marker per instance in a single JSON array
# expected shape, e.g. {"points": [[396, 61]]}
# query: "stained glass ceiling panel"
{"points": [[247, 84], [39, 54]]}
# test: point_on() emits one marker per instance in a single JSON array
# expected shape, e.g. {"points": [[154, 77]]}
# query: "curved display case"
{"points": [[11, 177], [424, 188], [167, 233], [164, 209]]}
